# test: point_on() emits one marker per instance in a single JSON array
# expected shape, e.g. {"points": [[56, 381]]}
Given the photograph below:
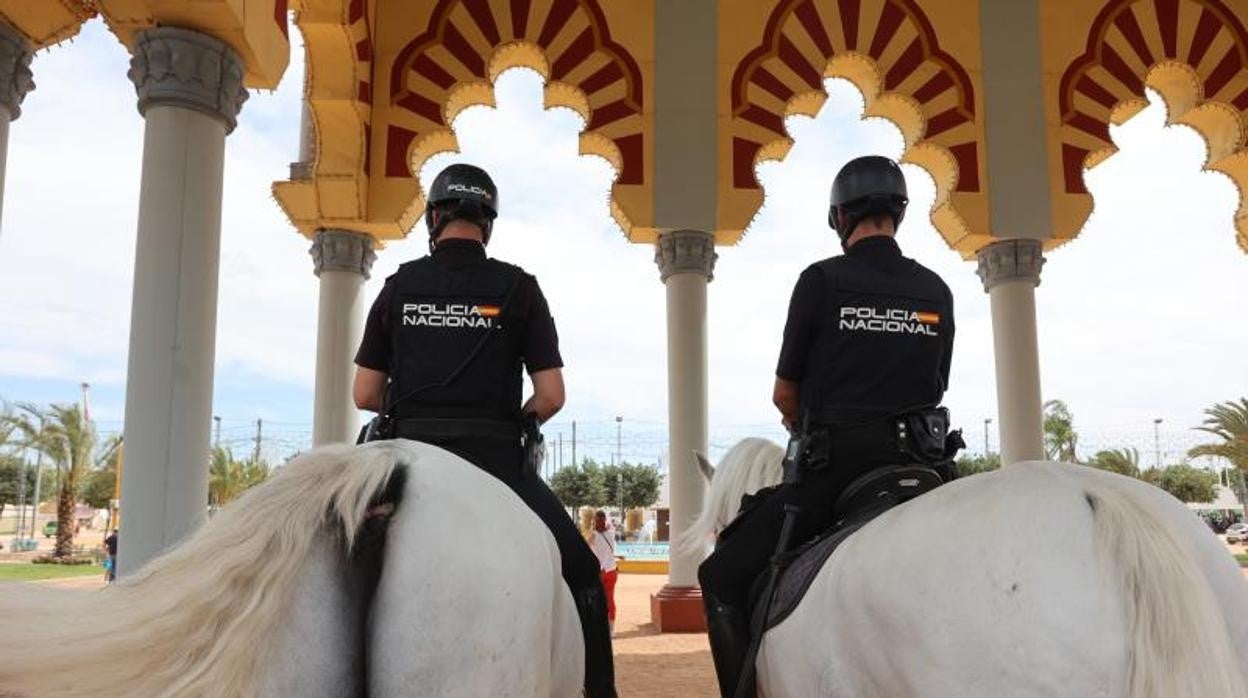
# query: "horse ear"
{"points": [[708, 470]]}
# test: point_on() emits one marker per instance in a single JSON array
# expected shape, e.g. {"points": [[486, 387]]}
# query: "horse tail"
{"points": [[196, 620], [750, 465], [1178, 642]]}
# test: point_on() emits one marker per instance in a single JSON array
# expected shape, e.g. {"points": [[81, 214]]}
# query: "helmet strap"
{"points": [[437, 219]]}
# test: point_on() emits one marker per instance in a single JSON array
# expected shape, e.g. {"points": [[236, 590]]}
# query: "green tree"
{"points": [[1124, 461], [973, 465], [1229, 422], [99, 486], [17, 482], [1184, 482], [1060, 438], [579, 486], [228, 478], [641, 485], [67, 438]]}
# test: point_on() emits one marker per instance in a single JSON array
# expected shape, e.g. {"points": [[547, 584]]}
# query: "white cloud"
{"points": [[1143, 316]]}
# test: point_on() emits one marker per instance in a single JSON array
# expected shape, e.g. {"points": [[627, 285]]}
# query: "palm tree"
{"points": [[67, 438], [228, 478], [1124, 461], [1229, 422], [1059, 432]]}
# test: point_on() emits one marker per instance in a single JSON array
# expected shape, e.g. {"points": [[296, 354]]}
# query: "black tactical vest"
{"points": [[880, 340], [439, 316]]}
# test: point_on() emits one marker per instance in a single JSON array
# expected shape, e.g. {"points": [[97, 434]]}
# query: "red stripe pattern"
{"points": [[1127, 39], [456, 48], [799, 40]]}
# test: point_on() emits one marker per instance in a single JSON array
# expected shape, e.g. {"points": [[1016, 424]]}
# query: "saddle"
{"points": [[868, 496]]}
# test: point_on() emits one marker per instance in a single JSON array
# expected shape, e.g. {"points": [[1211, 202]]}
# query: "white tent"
{"points": [[1224, 501]]}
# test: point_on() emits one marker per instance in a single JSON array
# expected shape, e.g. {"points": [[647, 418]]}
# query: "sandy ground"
{"points": [[650, 664]]}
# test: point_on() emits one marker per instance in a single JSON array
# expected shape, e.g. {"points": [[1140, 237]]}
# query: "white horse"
{"points": [[261, 600], [1039, 579]]}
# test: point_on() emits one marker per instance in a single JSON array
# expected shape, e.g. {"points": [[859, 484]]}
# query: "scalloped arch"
{"points": [[469, 43], [1194, 53], [894, 59]]}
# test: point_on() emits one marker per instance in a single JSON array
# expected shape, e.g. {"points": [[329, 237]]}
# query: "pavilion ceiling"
{"points": [[386, 78]]}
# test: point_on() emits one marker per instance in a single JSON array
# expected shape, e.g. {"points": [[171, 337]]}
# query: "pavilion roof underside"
{"points": [[386, 79]]}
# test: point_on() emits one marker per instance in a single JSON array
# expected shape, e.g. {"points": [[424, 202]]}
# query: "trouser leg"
{"points": [[727, 576]]}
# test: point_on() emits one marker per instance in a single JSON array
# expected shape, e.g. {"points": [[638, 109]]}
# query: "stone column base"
{"points": [[677, 609]]}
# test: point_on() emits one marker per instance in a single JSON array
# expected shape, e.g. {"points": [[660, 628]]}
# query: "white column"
{"points": [[15, 82], [190, 88], [686, 260], [1010, 271], [342, 261]]}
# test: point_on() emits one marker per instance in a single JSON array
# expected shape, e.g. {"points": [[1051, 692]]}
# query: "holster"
{"points": [[379, 428], [533, 444]]}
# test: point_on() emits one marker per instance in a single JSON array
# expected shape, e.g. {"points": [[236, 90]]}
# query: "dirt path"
{"points": [[650, 664]]}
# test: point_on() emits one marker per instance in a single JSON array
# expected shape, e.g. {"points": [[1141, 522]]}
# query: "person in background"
{"points": [[601, 539], [110, 563]]}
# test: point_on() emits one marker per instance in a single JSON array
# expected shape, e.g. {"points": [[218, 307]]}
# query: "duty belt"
{"points": [[451, 428]]}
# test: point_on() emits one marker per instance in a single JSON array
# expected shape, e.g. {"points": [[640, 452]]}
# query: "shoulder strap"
{"points": [[518, 276], [610, 543]]}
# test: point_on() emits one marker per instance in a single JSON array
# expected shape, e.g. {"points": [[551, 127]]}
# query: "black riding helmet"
{"points": [[867, 186], [461, 192]]}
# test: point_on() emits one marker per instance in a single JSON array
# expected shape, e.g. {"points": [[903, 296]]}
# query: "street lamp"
{"points": [[1157, 442], [618, 421], [987, 451]]}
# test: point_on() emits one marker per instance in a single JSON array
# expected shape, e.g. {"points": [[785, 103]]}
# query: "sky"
{"points": [[1144, 316]]}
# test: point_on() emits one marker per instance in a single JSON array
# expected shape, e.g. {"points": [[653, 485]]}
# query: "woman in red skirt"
{"points": [[602, 541]]}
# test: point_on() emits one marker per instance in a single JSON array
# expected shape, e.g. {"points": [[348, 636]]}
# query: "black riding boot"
{"points": [[729, 632], [591, 606]]}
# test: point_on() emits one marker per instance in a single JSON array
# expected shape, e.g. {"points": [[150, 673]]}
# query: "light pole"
{"points": [[987, 451], [216, 442], [618, 421], [1157, 443]]}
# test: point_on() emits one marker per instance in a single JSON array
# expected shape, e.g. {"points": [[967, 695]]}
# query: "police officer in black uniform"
{"points": [[442, 357], [869, 336]]}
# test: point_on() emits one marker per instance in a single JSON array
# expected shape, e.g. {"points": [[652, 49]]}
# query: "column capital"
{"points": [[15, 75], [685, 252], [1010, 260], [342, 250], [184, 68]]}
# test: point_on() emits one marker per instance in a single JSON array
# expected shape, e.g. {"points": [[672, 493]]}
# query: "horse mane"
{"points": [[197, 620], [750, 465], [1178, 640]]}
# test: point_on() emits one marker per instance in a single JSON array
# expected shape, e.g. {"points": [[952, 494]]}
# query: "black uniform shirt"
{"points": [[878, 375], [540, 341]]}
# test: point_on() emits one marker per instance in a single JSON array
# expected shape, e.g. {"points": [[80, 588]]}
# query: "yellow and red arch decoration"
{"points": [[468, 43], [1194, 53], [395, 74], [890, 50]]}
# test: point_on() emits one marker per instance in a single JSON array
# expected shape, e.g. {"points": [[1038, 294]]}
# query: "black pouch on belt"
{"points": [[922, 434]]}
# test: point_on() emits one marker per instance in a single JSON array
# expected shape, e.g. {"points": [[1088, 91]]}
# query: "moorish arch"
{"points": [[401, 82], [1194, 53], [890, 51]]}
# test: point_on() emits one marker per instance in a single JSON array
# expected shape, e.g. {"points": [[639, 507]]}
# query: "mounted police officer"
{"points": [[868, 341], [441, 360]]}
